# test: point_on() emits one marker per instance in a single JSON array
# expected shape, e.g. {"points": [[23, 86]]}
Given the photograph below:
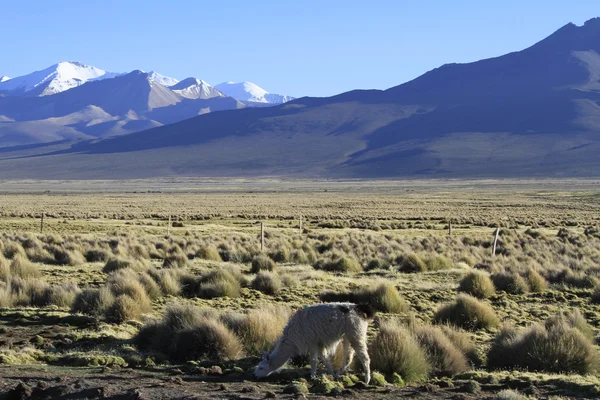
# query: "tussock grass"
{"points": [[267, 282], [412, 263], [339, 264], [188, 333], [383, 297], [262, 263], [468, 313], [208, 252], [93, 301], [22, 267], [477, 284], [444, 357], [510, 282], [119, 263], [395, 350], [219, 283], [260, 328], [555, 346]]}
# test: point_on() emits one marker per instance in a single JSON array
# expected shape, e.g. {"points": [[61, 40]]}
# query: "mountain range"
{"points": [[71, 100], [530, 113]]}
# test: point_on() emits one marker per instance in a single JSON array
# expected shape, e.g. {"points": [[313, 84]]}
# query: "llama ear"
{"points": [[265, 355]]}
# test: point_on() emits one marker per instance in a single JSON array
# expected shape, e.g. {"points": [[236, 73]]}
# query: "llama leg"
{"points": [[360, 346], [314, 362], [348, 356], [326, 359]]}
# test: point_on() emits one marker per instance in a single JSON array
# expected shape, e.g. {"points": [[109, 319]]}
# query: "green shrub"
{"points": [[468, 313], [267, 282], [395, 350], [477, 284]]}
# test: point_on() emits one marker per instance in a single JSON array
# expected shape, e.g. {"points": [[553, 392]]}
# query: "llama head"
{"points": [[264, 368]]}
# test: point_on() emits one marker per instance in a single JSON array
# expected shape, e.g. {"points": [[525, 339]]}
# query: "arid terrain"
{"points": [[160, 289]]}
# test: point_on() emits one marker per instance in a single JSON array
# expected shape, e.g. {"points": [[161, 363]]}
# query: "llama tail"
{"points": [[365, 311]]}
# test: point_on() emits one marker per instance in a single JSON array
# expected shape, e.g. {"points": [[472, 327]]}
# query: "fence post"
{"points": [[169, 227], [262, 236], [42, 224], [450, 227], [495, 241], [301, 224]]}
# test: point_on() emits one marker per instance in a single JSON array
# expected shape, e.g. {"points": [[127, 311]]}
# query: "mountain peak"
{"points": [[193, 88], [162, 79], [4, 78], [248, 91]]}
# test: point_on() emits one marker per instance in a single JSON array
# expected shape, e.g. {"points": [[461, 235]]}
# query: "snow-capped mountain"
{"points": [[55, 79], [162, 79], [193, 88], [248, 91], [4, 78]]}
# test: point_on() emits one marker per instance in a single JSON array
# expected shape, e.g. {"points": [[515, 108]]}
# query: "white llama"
{"points": [[318, 330]]}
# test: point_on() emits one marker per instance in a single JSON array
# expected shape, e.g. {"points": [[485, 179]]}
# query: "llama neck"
{"points": [[280, 354]]}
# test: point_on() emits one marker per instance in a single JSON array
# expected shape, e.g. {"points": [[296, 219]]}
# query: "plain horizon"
{"points": [[314, 49]]}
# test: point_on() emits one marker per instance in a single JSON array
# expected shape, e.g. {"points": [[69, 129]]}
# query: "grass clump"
{"points": [[412, 263], [188, 333], [219, 283], [118, 263], [175, 259], [555, 346], [537, 283], [395, 350], [262, 263], [260, 328], [339, 264], [383, 297], [444, 357], [438, 262], [93, 302], [468, 313], [267, 282], [209, 252], [477, 284], [510, 282], [22, 267]]}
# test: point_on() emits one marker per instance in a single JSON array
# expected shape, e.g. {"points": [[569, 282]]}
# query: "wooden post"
{"points": [[42, 224], [301, 224], [495, 241], [450, 227], [262, 236], [169, 227]]}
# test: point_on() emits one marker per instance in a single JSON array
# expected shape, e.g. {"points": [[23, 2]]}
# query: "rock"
{"points": [[296, 388], [20, 392], [215, 370], [472, 387], [270, 395]]}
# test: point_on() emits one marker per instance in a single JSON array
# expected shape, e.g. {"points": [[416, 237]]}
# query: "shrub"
{"points": [[209, 252], [510, 282], [579, 279], [468, 313], [262, 263], [575, 319], [383, 297], [12, 249], [395, 350], [377, 263], [118, 263], [438, 262], [218, 283], [280, 255], [290, 281], [556, 347], [595, 294], [444, 357], [44, 294], [267, 282], [4, 268], [125, 308], [93, 301], [536, 282], [412, 263], [167, 280], [477, 284], [24, 268]]}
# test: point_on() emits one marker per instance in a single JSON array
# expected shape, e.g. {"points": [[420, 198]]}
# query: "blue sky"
{"points": [[307, 47]]}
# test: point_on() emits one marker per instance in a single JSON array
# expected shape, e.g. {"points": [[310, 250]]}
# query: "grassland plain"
{"points": [[113, 301]]}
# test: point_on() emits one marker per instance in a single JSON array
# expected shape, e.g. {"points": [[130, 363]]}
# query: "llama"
{"points": [[318, 330]]}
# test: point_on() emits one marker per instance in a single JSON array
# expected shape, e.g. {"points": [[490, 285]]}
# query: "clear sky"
{"points": [[299, 48]]}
